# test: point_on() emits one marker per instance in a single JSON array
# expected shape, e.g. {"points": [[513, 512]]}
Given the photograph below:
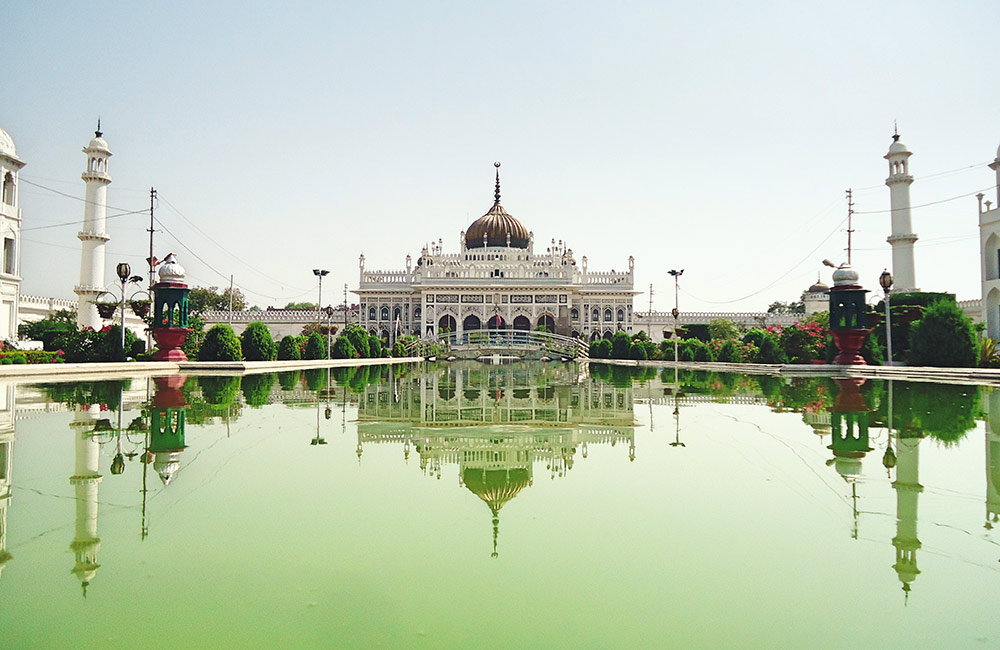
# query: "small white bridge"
{"points": [[523, 344]]}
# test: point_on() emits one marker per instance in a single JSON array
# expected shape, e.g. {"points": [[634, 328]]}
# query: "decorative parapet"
{"points": [[276, 316], [745, 318], [50, 304]]}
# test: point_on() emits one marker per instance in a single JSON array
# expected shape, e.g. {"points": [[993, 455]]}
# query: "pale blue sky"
{"points": [[716, 137]]}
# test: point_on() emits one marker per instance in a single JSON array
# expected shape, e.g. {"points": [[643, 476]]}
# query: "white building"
{"points": [[902, 237], [989, 256], [496, 280], [10, 226]]}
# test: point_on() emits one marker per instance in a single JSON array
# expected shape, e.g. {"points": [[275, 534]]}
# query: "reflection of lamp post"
{"points": [[677, 413], [675, 311], [329, 326], [885, 280], [319, 273]]}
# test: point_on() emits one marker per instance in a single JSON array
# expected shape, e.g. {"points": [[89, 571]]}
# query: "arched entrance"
{"points": [[546, 321], [446, 324], [522, 323], [596, 336], [608, 335], [496, 323], [472, 322]]}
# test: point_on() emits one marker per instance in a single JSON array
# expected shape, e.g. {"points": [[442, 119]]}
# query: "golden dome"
{"points": [[495, 486], [497, 227]]}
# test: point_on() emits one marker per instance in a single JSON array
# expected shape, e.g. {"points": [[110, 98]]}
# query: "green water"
{"points": [[499, 507]]}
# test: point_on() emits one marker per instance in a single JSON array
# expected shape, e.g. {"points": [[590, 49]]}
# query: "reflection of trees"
{"points": [[219, 391], [107, 393], [316, 377], [943, 411], [289, 380], [257, 388], [218, 399]]}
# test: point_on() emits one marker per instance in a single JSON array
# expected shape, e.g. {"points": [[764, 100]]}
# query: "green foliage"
{"points": [[219, 391], [696, 331], [723, 328], [988, 353], [358, 338], [729, 353], [667, 349], [778, 307], [220, 344], [701, 351], [201, 299], [316, 378], [755, 335], [770, 350], [374, 347], [946, 412], [257, 343], [803, 343], [30, 357], [600, 349], [316, 346], [288, 349], [192, 344], [302, 306], [257, 388], [344, 349], [46, 330], [943, 337], [112, 343], [84, 393], [399, 349], [640, 336], [620, 344], [80, 346], [637, 352]]}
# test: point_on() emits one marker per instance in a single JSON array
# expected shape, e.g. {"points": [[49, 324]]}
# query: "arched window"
{"points": [[8, 189], [574, 314], [384, 313], [595, 315], [396, 313], [372, 314], [416, 313], [607, 315], [621, 315]]}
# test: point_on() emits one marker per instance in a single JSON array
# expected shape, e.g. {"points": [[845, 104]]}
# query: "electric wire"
{"points": [[924, 205]]}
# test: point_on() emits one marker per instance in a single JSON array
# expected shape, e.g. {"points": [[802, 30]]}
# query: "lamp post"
{"points": [[124, 270], [329, 326], [319, 273], [675, 311], [885, 281]]}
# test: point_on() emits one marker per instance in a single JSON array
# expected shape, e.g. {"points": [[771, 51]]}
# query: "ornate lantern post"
{"points": [[885, 281], [848, 316], [170, 315]]}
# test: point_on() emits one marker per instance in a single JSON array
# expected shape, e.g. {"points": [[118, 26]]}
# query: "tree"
{"points": [[770, 350], [288, 349], [301, 305], [723, 329], [201, 299], [344, 349], [220, 344], [620, 344], [943, 337], [778, 307], [315, 346], [257, 343]]}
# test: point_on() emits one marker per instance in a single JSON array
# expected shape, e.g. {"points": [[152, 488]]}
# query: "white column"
{"points": [[902, 237], [93, 237]]}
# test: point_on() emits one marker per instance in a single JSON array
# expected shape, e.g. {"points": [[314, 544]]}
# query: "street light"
{"points": [[675, 311], [124, 270], [885, 281], [329, 326], [319, 273]]}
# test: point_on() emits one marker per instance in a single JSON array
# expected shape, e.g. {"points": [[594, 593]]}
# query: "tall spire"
{"points": [[98, 133], [496, 193], [895, 132]]}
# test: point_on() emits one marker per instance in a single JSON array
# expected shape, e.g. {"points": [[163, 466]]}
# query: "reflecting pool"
{"points": [[526, 505]]}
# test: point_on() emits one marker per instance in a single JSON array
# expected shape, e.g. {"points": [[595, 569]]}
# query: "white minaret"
{"points": [[93, 236], [902, 237]]}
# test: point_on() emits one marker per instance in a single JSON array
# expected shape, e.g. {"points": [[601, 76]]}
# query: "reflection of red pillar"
{"points": [[168, 391], [849, 398], [849, 344]]}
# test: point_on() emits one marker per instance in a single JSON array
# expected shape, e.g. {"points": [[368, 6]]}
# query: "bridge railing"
{"points": [[498, 341]]}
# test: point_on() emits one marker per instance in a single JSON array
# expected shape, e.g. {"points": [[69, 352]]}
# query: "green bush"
{"points": [[667, 349], [943, 337], [803, 343], [637, 352], [220, 344], [770, 350], [194, 339], [685, 349], [701, 351], [399, 349], [358, 338], [729, 353], [723, 328], [344, 349], [288, 349], [316, 378], [697, 331], [257, 343], [600, 349], [289, 380], [374, 347], [81, 346], [620, 344], [47, 329], [219, 391], [315, 346]]}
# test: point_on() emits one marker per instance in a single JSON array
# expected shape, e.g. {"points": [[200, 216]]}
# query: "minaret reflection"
{"points": [[6, 466], [167, 424], [86, 480], [849, 431], [496, 423], [991, 405]]}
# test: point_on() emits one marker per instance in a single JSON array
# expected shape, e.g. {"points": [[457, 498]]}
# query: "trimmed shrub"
{"points": [[289, 380], [770, 350], [288, 349], [344, 349], [374, 347], [702, 352], [220, 344], [728, 353], [219, 391], [697, 331], [258, 344], [257, 388], [600, 349], [399, 349], [316, 346], [620, 344], [637, 352], [943, 337], [358, 338], [667, 349]]}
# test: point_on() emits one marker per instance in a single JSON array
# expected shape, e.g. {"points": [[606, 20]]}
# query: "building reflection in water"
{"points": [[86, 481], [849, 431], [7, 411], [496, 423], [991, 406]]}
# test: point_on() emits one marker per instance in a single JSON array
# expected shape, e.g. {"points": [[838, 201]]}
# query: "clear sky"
{"points": [[716, 137]]}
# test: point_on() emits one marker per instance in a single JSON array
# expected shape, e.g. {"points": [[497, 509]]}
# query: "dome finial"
{"points": [[496, 193], [98, 133], [895, 132]]}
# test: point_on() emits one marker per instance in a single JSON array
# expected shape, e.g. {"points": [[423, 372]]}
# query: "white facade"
{"points": [[989, 257], [94, 236], [902, 237], [496, 279], [10, 225]]}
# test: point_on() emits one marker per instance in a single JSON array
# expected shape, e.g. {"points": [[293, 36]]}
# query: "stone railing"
{"points": [[606, 277], [386, 277], [746, 318], [277, 316]]}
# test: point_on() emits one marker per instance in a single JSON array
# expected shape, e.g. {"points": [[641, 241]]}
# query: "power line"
{"points": [[924, 205], [929, 176]]}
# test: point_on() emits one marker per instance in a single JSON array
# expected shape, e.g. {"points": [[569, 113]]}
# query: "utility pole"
{"points": [[650, 332], [230, 300], [850, 214], [152, 198], [345, 305]]}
